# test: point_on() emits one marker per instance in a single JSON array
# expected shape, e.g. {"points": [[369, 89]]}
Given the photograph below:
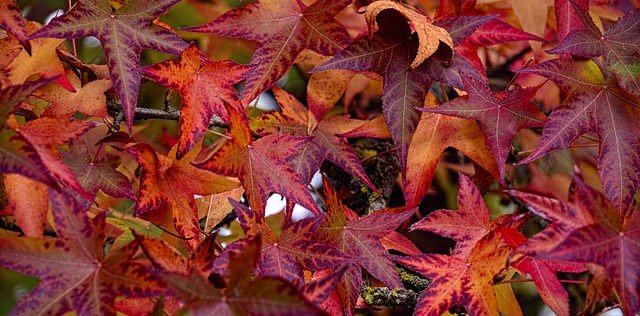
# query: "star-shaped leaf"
{"points": [[606, 237], [325, 143], [168, 181], [244, 295], [390, 53], [500, 115], [283, 29], [262, 165], [97, 174], [361, 238], [296, 249], [467, 281], [206, 88], [28, 202], [594, 104], [11, 21], [618, 46], [76, 273], [123, 33]]}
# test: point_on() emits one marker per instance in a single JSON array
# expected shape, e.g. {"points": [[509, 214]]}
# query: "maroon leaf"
{"points": [[390, 53], [594, 104], [618, 46], [500, 115], [206, 88], [566, 16], [123, 33], [261, 165], [76, 273], [283, 29], [97, 174], [11, 21]]}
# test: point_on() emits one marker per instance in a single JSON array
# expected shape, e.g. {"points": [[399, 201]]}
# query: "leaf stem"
{"points": [[527, 152]]}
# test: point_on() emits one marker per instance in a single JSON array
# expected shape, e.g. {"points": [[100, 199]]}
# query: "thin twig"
{"points": [[146, 113]]}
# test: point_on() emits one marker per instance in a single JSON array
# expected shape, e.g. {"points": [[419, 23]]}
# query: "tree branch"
{"points": [[115, 109]]}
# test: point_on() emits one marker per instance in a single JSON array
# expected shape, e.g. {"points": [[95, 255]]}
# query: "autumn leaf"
{"points": [[28, 202], [543, 273], [429, 35], [97, 174], [11, 96], [168, 181], [206, 88], [618, 47], [262, 165], [88, 99], [282, 29], [594, 104], [76, 273], [390, 54], [168, 259], [567, 17], [325, 142], [123, 33], [244, 295], [296, 249], [500, 115], [11, 21], [604, 236], [361, 239], [456, 280]]}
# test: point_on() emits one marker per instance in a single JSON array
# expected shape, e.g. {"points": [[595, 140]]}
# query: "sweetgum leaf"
{"points": [[500, 115], [123, 33], [76, 273], [543, 273], [607, 238], [205, 88], [11, 21], [361, 239], [594, 104], [18, 155], [168, 181], [262, 165], [618, 46], [390, 53], [294, 250], [567, 17], [168, 259], [283, 29], [454, 280], [244, 295], [97, 174], [28, 201], [325, 142], [12, 95]]}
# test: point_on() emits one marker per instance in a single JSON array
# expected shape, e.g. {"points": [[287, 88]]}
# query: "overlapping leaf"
{"points": [[43, 61], [123, 33], [244, 295], [11, 21], [283, 29], [325, 142], [206, 88], [168, 181], [618, 45], [76, 273], [597, 233], [500, 115], [261, 165], [594, 104], [28, 202], [390, 53]]}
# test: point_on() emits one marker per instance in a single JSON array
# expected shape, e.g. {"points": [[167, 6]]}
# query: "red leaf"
{"points": [[566, 16], [76, 273], [166, 180], [97, 174], [455, 280], [500, 115], [594, 104], [283, 29], [618, 46], [123, 33], [390, 54], [325, 142], [206, 88], [597, 233], [294, 250], [261, 165], [11, 20], [243, 295]]}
